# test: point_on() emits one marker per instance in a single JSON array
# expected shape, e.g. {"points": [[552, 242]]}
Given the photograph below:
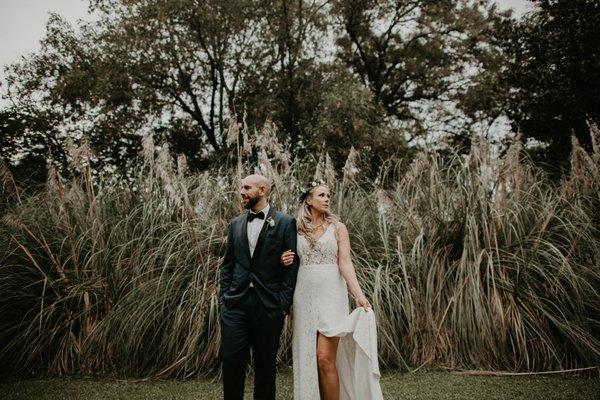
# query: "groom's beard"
{"points": [[252, 201]]}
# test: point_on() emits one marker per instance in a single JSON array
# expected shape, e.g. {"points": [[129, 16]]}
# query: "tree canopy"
{"points": [[331, 74], [554, 76]]}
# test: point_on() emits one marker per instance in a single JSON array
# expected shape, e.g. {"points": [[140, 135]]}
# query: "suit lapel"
{"points": [[263, 232], [244, 234]]}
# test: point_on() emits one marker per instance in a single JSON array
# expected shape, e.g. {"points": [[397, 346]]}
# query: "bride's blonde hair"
{"points": [[304, 221]]}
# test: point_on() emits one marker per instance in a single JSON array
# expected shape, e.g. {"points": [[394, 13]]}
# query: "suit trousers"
{"points": [[247, 325]]}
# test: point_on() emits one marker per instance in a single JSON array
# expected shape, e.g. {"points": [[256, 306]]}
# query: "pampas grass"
{"points": [[470, 262]]}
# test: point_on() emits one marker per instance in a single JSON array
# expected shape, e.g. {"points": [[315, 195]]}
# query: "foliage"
{"points": [[419, 56], [181, 70], [555, 75], [474, 262], [27, 139], [348, 117]]}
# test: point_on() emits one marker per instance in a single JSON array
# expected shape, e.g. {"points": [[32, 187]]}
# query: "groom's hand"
{"points": [[287, 258]]}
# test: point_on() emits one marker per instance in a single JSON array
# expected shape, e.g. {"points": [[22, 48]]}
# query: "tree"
{"points": [[286, 83], [555, 75], [348, 117], [172, 68], [180, 69], [416, 54], [29, 136]]}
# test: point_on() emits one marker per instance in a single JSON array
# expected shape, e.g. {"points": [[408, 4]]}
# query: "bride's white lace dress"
{"points": [[321, 305]]}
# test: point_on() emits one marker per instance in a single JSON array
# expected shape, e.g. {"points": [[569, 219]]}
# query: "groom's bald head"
{"points": [[254, 190], [259, 181]]}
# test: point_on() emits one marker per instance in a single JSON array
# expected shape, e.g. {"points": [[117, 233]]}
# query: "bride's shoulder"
{"points": [[337, 224], [340, 230]]}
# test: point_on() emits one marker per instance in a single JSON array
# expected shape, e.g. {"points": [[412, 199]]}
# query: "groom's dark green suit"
{"points": [[252, 315]]}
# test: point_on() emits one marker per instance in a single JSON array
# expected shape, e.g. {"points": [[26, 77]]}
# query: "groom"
{"points": [[256, 290]]}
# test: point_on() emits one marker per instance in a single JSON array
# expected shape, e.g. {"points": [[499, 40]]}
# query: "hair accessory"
{"points": [[310, 187]]}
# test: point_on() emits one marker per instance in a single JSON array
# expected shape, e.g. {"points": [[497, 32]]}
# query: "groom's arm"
{"points": [[227, 266], [291, 272]]}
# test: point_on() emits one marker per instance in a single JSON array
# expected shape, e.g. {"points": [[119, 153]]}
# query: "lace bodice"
{"points": [[324, 252]]}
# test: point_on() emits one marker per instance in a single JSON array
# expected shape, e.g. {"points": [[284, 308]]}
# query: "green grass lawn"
{"points": [[418, 386]]}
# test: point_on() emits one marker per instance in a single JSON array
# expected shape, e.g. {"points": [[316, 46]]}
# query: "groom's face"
{"points": [[250, 193]]}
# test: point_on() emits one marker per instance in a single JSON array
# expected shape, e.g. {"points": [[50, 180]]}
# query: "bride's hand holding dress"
{"points": [[364, 303]]}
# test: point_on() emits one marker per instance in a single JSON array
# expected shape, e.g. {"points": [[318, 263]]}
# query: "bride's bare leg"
{"points": [[329, 381]]}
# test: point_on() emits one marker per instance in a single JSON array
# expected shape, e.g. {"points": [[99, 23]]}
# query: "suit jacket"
{"points": [[273, 282]]}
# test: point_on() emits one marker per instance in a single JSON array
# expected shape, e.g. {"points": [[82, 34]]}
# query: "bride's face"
{"points": [[320, 199]]}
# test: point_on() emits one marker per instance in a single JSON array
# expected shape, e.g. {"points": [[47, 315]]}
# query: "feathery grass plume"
{"points": [[384, 202], [318, 175], [233, 131], [164, 164], [329, 172], [80, 161], [264, 164], [55, 182], [349, 172], [480, 163], [584, 171], [266, 168], [595, 136], [147, 155], [233, 137], [182, 166], [509, 173], [245, 137], [12, 221], [79, 155], [267, 140], [8, 181], [187, 207], [147, 151], [350, 167], [164, 171]]}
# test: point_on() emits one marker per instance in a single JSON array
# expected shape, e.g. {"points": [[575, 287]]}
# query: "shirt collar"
{"points": [[264, 210]]}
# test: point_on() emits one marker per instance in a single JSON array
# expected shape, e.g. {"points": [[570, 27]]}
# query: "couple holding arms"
{"points": [[275, 263]]}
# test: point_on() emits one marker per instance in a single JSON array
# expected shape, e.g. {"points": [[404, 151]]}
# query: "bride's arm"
{"points": [[347, 268]]}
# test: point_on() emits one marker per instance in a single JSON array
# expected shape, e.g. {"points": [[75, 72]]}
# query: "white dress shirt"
{"points": [[254, 229]]}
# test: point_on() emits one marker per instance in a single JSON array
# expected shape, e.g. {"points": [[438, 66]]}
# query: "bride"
{"points": [[334, 351]]}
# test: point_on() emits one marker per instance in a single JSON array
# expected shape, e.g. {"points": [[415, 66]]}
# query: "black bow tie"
{"points": [[259, 215]]}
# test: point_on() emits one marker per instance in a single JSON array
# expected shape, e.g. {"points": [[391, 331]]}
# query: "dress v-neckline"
{"points": [[323, 234]]}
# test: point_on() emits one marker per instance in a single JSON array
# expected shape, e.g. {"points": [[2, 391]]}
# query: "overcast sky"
{"points": [[22, 23]]}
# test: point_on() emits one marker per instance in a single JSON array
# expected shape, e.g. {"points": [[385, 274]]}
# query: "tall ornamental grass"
{"points": [[470, 262]]}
